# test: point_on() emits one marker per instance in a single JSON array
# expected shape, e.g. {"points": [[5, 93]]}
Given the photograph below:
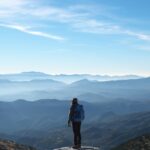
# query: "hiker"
{"points": [[76, 116]]}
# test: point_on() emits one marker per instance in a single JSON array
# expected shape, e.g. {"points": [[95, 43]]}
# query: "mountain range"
{"points": [[43, 123], [37, 111], [86, 90], [32, 75]]}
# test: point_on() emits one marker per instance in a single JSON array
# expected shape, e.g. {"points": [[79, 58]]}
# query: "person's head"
{"points": [[74, 101]]}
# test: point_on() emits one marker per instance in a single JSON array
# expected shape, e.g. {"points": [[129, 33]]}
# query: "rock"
{"points": [[11, 145], [139, 143], [82, 148]]}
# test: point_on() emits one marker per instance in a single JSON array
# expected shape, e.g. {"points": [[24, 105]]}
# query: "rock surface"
{"points": [[139, 143], [11, 145], [82, 148]]}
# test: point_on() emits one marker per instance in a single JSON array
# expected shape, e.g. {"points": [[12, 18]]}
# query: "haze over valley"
{"points": [[35, 85], [37, 109]]}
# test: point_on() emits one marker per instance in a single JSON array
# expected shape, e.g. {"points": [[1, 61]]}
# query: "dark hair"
{"points": [[74, 101]]}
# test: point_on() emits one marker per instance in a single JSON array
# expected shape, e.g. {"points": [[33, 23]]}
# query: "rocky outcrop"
{"points": [[82, 148], [139, 143], [11, 145]]}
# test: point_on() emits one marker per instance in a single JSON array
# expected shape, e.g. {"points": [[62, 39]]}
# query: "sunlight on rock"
{"points": [[82, 148]]}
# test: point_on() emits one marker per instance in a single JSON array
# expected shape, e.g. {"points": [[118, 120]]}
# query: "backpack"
{"points": [[78, 113]]}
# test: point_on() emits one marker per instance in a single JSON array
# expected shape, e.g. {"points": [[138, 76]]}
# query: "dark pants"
{"points": [[76, 126]]}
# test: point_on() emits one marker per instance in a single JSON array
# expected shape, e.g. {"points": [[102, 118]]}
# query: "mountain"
{"points": [[118, 131], [24, 76], [134, 89], [11, 145], [32, 75], [15, 88], [86, 90], [120, 84], [43, 87], [104, 135], [38, 115], [43, 123], [4, 81], [26, 115], [89, 96], [138, 143], [46, 114]]}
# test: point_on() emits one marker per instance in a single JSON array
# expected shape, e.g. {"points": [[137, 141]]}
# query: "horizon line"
{"points": [[96, 74]]}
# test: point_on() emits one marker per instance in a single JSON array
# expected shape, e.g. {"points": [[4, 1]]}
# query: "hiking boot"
{"points": [[79, 145], [75, 147]]}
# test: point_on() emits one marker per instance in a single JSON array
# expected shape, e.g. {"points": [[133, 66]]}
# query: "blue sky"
{"points": [[75, 36]]}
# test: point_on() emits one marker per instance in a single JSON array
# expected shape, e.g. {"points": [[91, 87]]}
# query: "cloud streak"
{"points": [[99, 27], [141, 36], [12, 11], [80, 18], [12, 8], [84, 21], [35, 33]]}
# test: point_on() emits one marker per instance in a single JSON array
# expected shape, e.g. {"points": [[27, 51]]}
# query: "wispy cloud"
{"points": [[100, 27], [29, 31], [9, 8], [81, 18], [12, 11], [12, 4], [141, 36]]}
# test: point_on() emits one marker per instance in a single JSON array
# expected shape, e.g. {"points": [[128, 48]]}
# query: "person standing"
{"points": [[76, 116]]}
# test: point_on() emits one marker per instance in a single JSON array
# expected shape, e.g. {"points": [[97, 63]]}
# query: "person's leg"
{"points": [[74, 127], [79, 133]]}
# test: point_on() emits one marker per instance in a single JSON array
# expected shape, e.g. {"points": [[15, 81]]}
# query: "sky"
{"points": [[75, 36]]}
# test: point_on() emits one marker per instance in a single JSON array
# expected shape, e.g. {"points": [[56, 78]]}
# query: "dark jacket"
{"points": [[76, 113]]}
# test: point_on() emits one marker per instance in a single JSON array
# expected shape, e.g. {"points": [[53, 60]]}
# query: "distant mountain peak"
{"points": [[67, 78], [4, 81], [83, 81], [33, 73]]}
